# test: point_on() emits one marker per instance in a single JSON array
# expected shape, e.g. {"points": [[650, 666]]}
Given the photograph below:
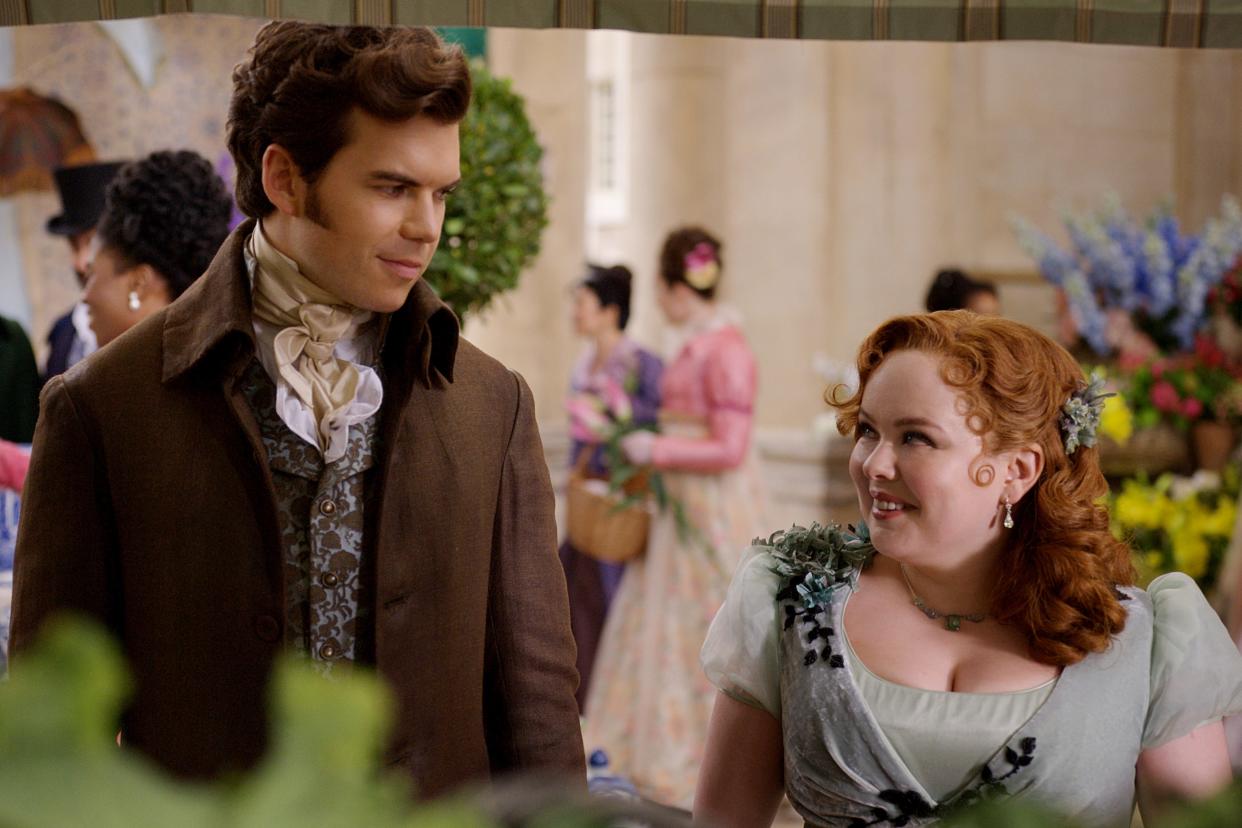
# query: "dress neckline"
{"points": [[845, 639], [898, 769]]}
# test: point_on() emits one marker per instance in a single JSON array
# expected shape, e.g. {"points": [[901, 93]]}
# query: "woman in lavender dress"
{"points": [[612, 373]]}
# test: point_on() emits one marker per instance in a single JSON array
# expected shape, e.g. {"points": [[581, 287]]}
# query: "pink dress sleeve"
{"points": [[730, 380], [13, 465]]}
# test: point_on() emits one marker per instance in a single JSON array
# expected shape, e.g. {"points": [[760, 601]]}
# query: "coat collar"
{"points": [[217, 308]]}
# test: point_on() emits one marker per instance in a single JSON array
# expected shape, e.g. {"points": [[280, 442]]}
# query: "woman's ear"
{"points": [[149, 284], [282, 181], [1025, 467]]}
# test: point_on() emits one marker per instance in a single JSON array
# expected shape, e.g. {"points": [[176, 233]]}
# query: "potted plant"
{"points": [[494, 220], [1198, 393]]}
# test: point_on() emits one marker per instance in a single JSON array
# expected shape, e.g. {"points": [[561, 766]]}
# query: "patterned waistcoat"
{"points": [[321, 517]]}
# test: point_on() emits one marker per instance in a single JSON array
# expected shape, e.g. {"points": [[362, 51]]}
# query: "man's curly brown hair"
{"points": [[301, 81], [1058, 583]]}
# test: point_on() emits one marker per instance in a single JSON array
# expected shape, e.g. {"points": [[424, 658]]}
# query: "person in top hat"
{"points": [[82, 189]]}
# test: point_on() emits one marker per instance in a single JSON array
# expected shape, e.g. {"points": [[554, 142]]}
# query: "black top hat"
{"points": [[82, 189]]}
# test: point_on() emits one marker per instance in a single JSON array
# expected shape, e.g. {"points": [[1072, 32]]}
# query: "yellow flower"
{"points": [[1190, 552], [1142, 507], [1117, 420], [1220, 520]]}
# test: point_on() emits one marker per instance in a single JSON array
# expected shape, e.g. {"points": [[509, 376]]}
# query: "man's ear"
{"points": [[282, 181], [1023, 470]]}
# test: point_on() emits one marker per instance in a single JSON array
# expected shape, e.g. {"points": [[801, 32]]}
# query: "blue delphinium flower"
{"points": [[1153, 270]]}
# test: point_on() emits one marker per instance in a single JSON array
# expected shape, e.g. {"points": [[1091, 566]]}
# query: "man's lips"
{"points": [[405, 268]]}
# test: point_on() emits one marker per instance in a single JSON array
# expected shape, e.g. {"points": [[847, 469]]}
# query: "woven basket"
{"points": [[597, 527]]}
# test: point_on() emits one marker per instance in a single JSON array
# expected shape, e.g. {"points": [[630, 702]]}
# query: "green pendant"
{"points": [[953, 623]]}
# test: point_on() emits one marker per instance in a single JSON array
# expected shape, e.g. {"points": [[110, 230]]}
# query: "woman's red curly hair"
{"points": [[1059, 582]]}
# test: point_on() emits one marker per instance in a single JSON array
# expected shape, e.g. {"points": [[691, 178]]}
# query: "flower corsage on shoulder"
{"points": [[812, 564]]}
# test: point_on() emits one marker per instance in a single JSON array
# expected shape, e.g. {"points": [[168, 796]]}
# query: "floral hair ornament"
{"points": [[1080, 416], [702, 269]]}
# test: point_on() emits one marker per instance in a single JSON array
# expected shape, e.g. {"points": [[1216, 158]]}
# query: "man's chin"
{"points": [[388, 302]]}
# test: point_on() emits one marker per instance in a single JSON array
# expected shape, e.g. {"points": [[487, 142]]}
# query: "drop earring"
{"points": [[1008, 522], [134, 302]]}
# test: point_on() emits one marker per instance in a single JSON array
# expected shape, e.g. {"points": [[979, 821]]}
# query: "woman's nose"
{"points": [[881, 463]]}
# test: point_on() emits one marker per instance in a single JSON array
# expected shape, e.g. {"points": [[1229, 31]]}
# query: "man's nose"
{"points": [[422, 219]]}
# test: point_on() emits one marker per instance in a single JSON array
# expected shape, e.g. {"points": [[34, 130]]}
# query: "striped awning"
{"points": [[1178, 23]]}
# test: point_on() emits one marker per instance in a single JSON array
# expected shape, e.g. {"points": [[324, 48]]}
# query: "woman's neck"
{"points": [[964, 587], [606, 343], [698, 314]]}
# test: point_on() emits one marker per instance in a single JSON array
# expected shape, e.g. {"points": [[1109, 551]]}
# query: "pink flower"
{"points": [[1159, 367], [616, 401], [1164, 397], [587, 422], [1192, 408], [700, 256]]}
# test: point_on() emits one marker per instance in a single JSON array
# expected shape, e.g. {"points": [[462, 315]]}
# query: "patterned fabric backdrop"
{"points": [[185, 107], [1180, 23]]}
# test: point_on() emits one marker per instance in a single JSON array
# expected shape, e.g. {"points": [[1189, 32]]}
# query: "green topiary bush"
{"points": [[495, 219]]}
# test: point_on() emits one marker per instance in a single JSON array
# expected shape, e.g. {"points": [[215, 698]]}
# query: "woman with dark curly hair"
{"points": [[980, 635], [165, 217]]}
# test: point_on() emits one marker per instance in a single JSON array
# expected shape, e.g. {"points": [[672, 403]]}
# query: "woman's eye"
{"points": [[863, 430], [917, 437]]}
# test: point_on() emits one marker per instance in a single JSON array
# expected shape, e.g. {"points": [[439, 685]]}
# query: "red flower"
{"points": [[1164, 397], [1192, 408], [1209, 352], [1159, 367]]}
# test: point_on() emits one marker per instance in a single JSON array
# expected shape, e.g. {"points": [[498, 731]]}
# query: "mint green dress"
{"points": [[861, 751]]}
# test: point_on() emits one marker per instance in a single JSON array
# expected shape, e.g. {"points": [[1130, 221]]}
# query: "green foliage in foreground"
{"points": [[60, 766]]}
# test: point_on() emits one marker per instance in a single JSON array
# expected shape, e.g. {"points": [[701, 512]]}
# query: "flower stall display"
{"points": [[1133, 289], [1202, 386], [1177, 523]]}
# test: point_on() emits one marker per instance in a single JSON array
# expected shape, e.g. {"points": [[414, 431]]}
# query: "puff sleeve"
{"points": [[741, 655], [1196, 669], [730, 381]]}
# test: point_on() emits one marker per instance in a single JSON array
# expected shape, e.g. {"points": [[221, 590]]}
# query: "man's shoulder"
{"points": [[473, 367], [128, 365]]}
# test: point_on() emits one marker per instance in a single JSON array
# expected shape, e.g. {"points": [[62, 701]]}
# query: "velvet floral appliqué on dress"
{"points": [[813, 563]]}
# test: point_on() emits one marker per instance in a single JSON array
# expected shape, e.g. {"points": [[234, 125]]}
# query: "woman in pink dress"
{"points": [[649, 702]]}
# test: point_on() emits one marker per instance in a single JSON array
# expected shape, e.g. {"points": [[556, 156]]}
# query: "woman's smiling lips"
{"points": [[408, 269], [885, 506]]}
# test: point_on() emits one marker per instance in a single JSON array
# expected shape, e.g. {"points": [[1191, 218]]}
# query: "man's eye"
{"points": [[392, 190]]}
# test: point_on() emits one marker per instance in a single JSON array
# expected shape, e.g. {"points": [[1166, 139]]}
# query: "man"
{"points": [[302, 452], [82, 190]]}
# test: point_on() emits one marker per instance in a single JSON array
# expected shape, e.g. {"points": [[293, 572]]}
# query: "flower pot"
{"points": [[1227, 333], [1211, 444]]}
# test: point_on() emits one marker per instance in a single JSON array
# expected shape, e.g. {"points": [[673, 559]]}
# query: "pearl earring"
{"points": [[134, 302], [1008, 522]]}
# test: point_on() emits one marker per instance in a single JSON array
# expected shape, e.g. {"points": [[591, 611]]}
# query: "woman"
{"points": [[984, 637], [612, 373], [164, 219], [954, 290], [648, 707]]}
